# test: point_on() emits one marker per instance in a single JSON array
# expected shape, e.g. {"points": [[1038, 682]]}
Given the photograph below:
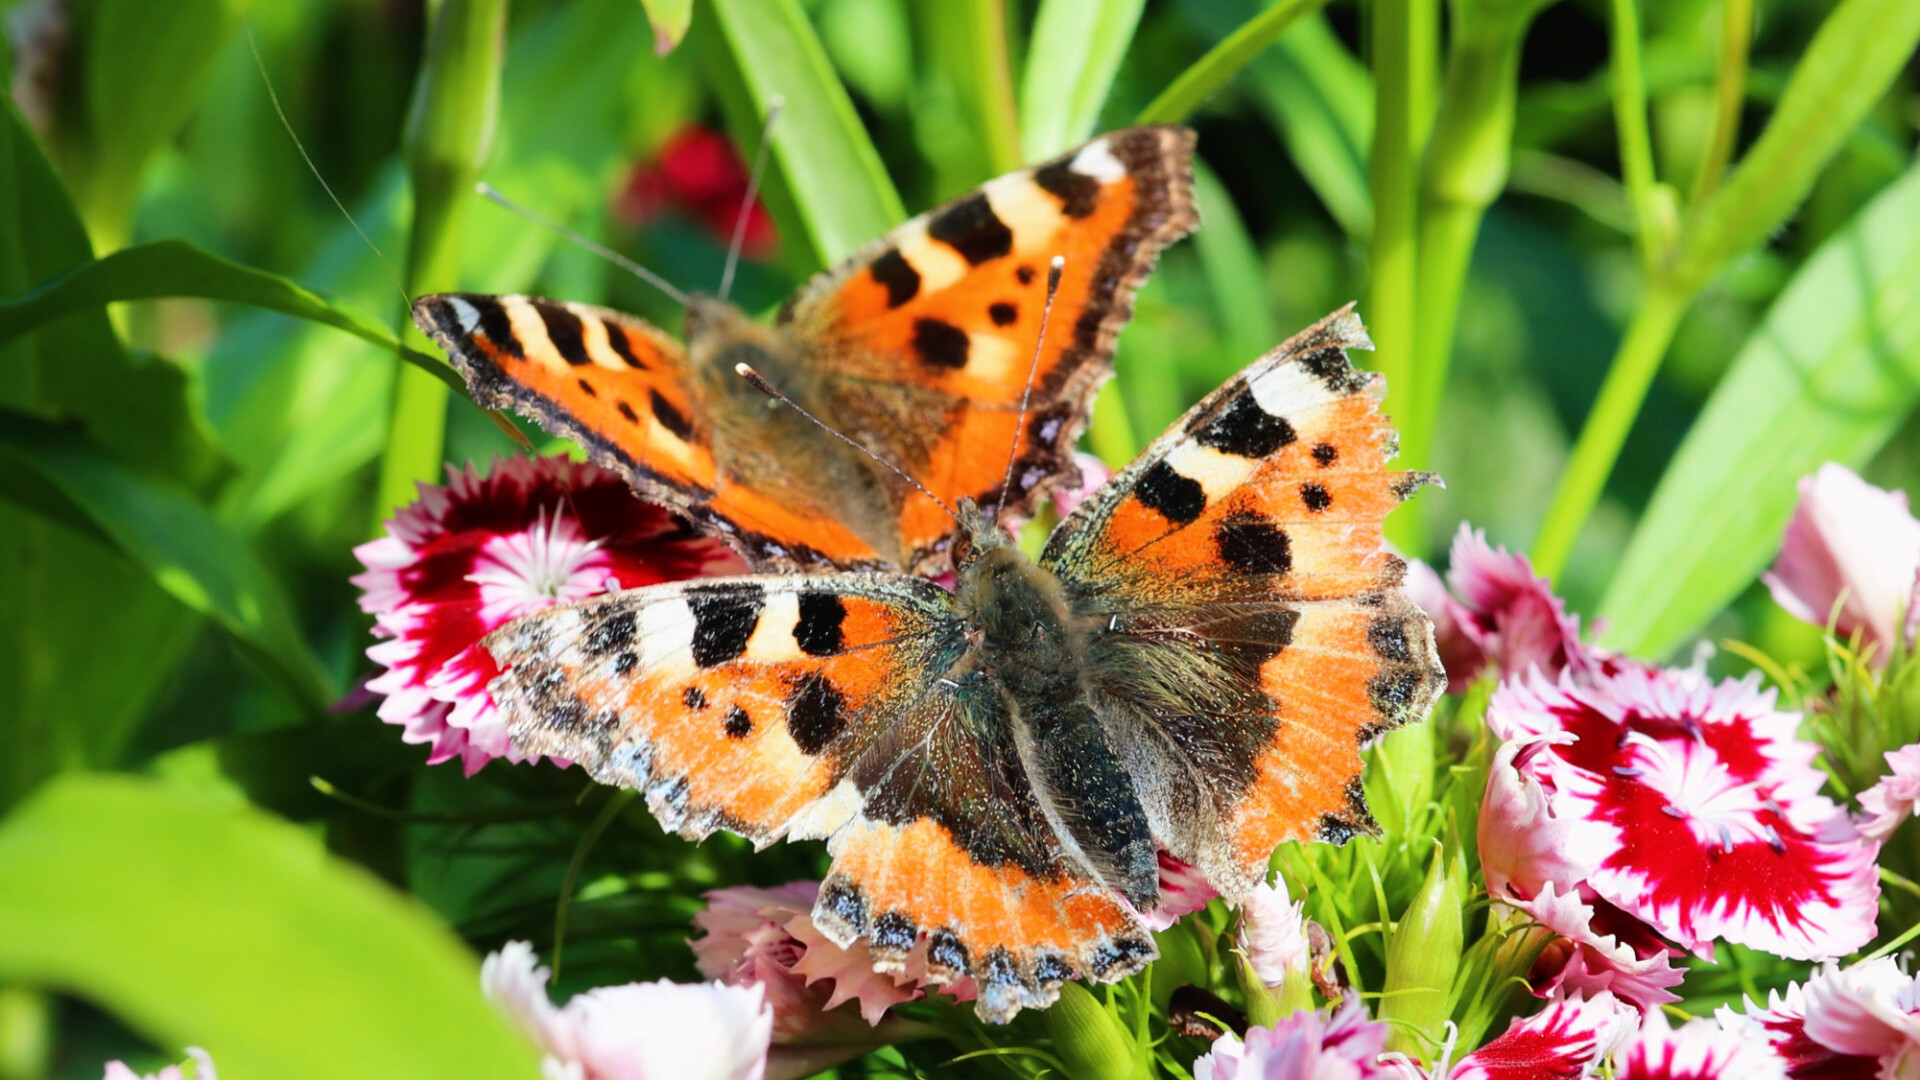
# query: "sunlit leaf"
{"points": [[218, 926], [669, 19], [1222, 62], [1071, 61], [1829, 376], [189, 553]]}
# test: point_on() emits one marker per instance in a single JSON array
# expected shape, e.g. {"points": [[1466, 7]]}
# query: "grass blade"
{"points": [[1075, 52]]}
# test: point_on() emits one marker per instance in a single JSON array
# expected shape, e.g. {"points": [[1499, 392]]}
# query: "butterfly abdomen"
{"points": [[1032, 649]]}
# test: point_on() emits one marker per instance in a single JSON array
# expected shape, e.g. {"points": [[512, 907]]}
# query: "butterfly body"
{"points": [[1191, 666], [918, 347]]}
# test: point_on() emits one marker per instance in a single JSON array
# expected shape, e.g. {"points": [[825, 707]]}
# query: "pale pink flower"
{"points": [[1566, 1040], [1523, 845], [1895, 798], [465, 559], [202, 1069], [1695, 808], [1864, 1020], [753, 936], [1697, 1050], [1273, 934], [639, 1031], [1848, 538], [1341, 1043], [1599, 950], [1183, 891], [1502, 613], [1093, 473]]}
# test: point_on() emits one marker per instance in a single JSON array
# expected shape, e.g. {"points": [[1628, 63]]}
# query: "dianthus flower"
{"points": [[1598, 949], [1860, 1022], [1273, 934], [1848, 539], [1694, 808], [1341, 1043], [467, 558], [1896, 797], [698, 173], [1567, 1040], [1498, 612], [639, 1031], [1697, 1050]]}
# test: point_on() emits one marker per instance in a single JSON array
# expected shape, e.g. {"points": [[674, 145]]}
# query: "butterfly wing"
{"points": [[626, 392], [819, 707], [926, 336], [1256, 634]]}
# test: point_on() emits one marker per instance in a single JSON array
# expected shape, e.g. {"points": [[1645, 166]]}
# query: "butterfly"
{"points": [[1192, 665], [918, 347]]}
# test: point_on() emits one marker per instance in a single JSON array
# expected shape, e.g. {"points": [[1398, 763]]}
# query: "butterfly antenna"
{"points": [[745, 216], [1013, 452], [493, 195], [315, 169], [759, 382]]}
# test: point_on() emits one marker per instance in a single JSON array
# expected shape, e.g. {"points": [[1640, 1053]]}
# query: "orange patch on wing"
{"points": [[753, 511]]}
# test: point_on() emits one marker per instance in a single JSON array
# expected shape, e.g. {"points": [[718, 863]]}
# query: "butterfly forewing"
{"points": [[1256, 634]]}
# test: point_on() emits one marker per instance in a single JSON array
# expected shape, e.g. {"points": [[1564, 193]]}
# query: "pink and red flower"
{"points": [[1697, 1050], [1499, 612], [1341, 1043], [1694, 808], [1849, 539], [1895, 798], [1599, 949], [1183, 891], [639, 1031], [1863, 1021], [1564, 1041], [699, 173], [465, 559]]}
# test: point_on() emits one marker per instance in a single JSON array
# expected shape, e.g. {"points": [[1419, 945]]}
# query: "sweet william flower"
{"points": [[698, 172], [1499, 612], [1567, 1040], [1694, 808], [1860, 1022], [1183, 891], [202, 1069], [1848, 538], [1341, 1043], [1697, 1050], [1598, 949], [1273, 934], [639, 1031], [1895, 798], [467, 558]]}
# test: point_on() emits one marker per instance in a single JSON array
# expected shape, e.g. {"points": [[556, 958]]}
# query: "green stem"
{"points": [[450, 126], [1636, 144], [1729, 92], [1628, 379], [1110, 433], [1403, 39], [569, 883], [1192, 87], [26, 1033], [1466, 168], [991, 80]]}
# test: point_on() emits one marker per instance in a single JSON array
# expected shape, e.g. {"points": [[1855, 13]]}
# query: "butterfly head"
{"points": [[979, 536]]}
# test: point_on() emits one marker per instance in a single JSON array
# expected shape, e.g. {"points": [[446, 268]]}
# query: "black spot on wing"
{"points": [[623, 346], [1387, 635], [1325, 454], [1003, 313], [1315, 497], [1248, 641], [695, 699], [611, 634], [626, 410], [1025, 275], [1079, 194], [816, 712], [940, 344], [722, 622], [739, 725], [496, 327], [625, 663], [587, 388], [1119, 956], [893, 932], [902, 281], [971, 228], [1253, 545], [946, 953], [563, 329], [1179, 499], [818, 632], [843, 904], [670, 418], [1244, 429], [1394, 694]]}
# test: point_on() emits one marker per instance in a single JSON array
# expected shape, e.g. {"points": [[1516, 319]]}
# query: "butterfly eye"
{"points": [[962, 551]]}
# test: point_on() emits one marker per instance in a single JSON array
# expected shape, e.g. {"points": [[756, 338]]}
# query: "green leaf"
{"points": [[1236, 280], [1828, 376], [1208, 74], [219, 926], [1075, 52], [832, 188], [670, 19], [1322, 101], [189, 553], [168, 268], [1857, 53]]}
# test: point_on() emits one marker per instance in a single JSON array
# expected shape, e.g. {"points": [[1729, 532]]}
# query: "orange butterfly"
{"points": [[918, 347]]}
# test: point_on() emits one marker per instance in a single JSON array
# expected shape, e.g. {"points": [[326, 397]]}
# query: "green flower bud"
{"points": [[1089, 1038], [1424, 957]]}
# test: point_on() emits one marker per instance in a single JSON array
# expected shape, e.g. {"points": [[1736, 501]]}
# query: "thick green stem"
{"points": [[449, 133], [1654, 228], [991, 76], [1465, 170], [1628, 379], [1404, 33]]}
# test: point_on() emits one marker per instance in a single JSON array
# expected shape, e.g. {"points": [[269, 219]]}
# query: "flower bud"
{"points": [[1088, 1038], [1424, 956]]}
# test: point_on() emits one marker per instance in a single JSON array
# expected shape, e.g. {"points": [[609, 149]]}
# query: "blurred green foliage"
{"points": [[184, 471]]}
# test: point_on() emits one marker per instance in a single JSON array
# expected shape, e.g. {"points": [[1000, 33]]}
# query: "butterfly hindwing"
{"points": [[816, 707], [926, 337], [1258, 632]]}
